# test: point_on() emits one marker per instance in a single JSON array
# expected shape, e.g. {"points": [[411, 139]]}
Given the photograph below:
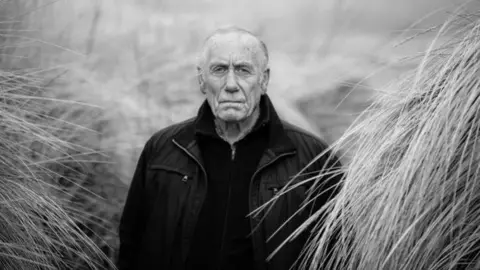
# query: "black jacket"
{"points": [[169, 186]]}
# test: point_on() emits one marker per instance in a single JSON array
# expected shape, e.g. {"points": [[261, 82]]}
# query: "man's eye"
{"points": [[243, 70], [219, 69]]}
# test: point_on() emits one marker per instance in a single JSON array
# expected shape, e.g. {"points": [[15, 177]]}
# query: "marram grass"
{"points": [[411, 196], [39, 229]]}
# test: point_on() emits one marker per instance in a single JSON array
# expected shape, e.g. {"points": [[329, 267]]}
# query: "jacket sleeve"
{"points": [[132, 222]]}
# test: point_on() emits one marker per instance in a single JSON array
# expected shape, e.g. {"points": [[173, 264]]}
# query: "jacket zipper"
{"points": [[234, 150], [204, 175], [251, 179], [250, 202], [193, 157]]}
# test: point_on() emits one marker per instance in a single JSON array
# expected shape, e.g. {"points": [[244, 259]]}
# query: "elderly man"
{"points": [[196, 182]]}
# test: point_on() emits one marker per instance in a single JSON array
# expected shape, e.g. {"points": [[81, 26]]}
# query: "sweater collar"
{"points": [[278, 140]]}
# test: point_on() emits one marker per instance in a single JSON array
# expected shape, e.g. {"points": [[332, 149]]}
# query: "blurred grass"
{"points": [[39, 221]]}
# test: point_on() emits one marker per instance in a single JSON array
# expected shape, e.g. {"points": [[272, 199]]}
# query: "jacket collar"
{"points": [[278, 143]]}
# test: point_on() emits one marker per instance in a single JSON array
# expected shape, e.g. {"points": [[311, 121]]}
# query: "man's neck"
{"points": [[232, 132]]}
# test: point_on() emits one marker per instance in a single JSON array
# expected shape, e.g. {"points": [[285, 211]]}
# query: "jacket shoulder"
{"points": [[311, 146], [302, 137], [165, 135]]}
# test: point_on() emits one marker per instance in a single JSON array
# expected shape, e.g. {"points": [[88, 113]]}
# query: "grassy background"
{"points": [[133, 63]]}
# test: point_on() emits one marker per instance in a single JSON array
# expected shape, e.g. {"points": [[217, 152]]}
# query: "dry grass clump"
{"points": [[93, 191], [39, 228], [58, 144], [411, 198]]}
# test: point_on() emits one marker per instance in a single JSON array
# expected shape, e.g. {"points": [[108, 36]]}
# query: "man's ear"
{"points": [[265, 80], [201, 82]]}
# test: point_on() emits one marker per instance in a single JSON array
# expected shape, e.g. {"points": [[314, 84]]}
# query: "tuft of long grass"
{"points": [[57, 140], [39, 229], [411, 196]]}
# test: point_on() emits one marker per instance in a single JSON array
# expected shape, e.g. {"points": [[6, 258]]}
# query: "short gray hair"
{"points": [[226, 30]]}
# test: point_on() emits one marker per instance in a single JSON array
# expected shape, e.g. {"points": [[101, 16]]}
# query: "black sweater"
{"points": [[221, 236]]}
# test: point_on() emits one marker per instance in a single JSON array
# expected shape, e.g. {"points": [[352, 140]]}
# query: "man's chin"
{"points": [[227, 117]]}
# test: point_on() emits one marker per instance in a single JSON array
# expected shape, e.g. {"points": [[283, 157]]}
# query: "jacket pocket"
{"points": [[287, 195], [281, 188], [167, 189], [274, 189], [183, 176]]}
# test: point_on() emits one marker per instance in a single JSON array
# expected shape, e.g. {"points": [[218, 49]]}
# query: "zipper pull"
{"points": [[185, 178], [232, 146]]}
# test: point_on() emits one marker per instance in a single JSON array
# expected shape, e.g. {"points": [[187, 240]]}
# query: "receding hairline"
{"points": [[232, 30]]}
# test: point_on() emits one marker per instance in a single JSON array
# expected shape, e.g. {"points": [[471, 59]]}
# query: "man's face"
{"points": [[233, 76]]}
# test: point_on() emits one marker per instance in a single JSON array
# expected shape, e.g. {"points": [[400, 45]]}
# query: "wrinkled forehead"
{"points": [[234, 47]]}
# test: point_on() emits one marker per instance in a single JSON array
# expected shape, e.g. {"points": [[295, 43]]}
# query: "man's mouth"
{"points": [[230, 101]]}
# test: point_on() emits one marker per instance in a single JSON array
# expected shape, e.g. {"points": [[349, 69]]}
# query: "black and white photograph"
{"points": [[239, 135]]}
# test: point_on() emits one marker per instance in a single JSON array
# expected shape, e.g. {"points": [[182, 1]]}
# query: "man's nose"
{"points": [[231, 84]]}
